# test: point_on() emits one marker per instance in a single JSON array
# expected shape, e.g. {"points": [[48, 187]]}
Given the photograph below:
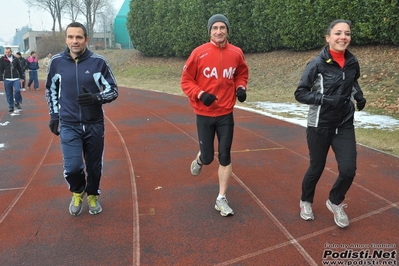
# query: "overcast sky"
{"points": [[16, 14]]}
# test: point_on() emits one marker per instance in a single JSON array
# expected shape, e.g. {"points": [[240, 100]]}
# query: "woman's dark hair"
{"points": [[77, 25], [335, 22]]}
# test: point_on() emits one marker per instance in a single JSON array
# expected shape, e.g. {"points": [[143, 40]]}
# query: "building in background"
{"points": [[14, 48], [114, 36], [31, 38], [122, 38]]}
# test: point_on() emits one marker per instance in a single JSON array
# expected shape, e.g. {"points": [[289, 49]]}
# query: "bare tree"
{"points": [[46, 5], [90, 9], [73, 9], [54, 7], [59, 6]]}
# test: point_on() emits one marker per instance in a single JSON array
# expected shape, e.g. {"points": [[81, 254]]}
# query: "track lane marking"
{"points": [[136, 225], [31, 177], [13, 188]]}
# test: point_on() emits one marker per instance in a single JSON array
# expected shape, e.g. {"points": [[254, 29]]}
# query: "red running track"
{"points": [[156, 213]]}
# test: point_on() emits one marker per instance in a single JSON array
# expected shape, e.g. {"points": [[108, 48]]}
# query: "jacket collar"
{"points": [[220, 46], [86, 54]]}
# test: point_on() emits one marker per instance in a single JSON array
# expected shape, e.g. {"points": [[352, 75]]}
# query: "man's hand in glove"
{"points": [[336, 101], [241, 94], [88, 98], [53, 125], [207, 98]]}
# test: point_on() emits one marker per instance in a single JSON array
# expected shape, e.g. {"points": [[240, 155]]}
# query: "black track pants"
{"points": [[343, 143]]}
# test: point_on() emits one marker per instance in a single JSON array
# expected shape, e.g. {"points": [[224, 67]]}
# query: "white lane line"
{"points": [[136, 225], [279, 225], [14, 188], [33, 174]]}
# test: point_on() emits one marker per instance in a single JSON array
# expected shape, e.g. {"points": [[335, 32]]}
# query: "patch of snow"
{"points": [[296, 113]]}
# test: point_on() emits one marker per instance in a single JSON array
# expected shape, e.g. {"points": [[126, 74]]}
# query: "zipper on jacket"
{"points": [[219, 79], [11, 68], [77, 87], [343, 75]]}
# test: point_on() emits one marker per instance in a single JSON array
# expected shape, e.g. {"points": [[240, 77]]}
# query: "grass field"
{"points": [[274, 77]]}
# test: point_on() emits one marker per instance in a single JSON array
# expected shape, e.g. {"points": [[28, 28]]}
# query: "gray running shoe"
{"points": [[195, 167], [340, 217], [223, 206], [94, 205], [17, 105], [75, 207], [306, 210]]}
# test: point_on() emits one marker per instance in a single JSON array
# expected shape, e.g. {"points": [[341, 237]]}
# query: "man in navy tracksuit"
{"points": [[78, 83]]}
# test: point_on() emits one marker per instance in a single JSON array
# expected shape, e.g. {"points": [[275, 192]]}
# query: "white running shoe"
{"points": [[223, 206], [195, 167], [306, 210], [340, 217]]}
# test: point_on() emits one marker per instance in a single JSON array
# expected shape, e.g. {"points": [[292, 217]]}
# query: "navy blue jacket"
{"points": [[65, 79], [32, 63]]}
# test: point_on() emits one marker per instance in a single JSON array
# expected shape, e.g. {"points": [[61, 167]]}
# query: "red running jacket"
{"points": [[215, 70]]}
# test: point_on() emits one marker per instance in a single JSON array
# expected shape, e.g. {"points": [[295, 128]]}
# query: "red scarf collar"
{"points": [[338, 57]]}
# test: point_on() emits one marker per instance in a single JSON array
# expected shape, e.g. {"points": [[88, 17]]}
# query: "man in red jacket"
{"points": [[213, 77]]}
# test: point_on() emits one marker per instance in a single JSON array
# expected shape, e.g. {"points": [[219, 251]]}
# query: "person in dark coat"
{"points": [[11, 74], [329, 85]]}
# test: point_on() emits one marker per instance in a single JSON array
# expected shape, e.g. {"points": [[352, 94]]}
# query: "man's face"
{"points": [[219, 32], [8, 52], [76, 41]]}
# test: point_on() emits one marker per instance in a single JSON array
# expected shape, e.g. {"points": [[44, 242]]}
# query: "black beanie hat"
{"points": [[218, 18]]}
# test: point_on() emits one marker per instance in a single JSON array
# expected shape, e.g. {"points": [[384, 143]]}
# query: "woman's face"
{"points": [[340, 37]]}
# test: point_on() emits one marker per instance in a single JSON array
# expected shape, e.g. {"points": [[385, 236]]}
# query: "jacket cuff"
{"points": [[200, 94], [54, 116]]}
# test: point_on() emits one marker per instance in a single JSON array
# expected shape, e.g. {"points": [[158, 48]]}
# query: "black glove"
{"points": [[207, 98], [336, 101], [88, 98], [241, 94], [360, 101], [361, 104], [53, 125]]}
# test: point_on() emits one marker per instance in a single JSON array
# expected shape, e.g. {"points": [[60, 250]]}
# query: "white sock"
{"points": [[221, 197]]}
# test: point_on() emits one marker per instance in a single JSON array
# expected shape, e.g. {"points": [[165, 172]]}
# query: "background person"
{"points": [[80, 121], [11, 73], [23, 64], [46, 61], [328, 85], [213, 76], [33, 66]]}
